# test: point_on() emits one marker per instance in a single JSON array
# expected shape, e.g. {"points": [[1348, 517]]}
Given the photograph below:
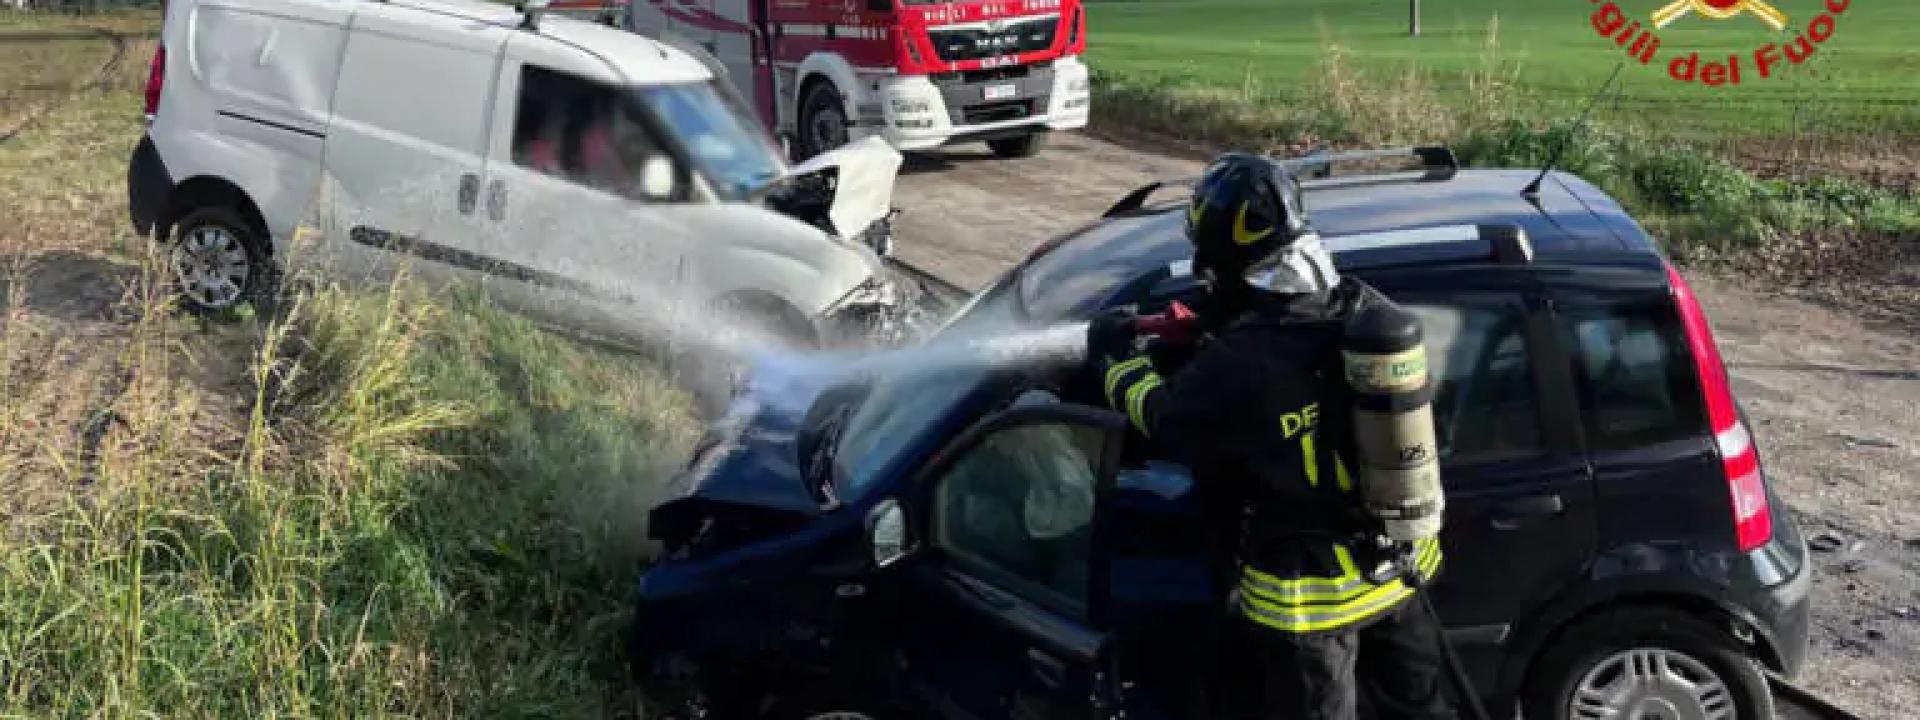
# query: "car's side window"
{"points": [[589, 134], [1017, 508], [1485, 406], [1636, 379]]}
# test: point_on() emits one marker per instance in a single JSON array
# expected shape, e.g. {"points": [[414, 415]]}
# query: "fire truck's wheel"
{"points": [[1027, 145], [823, 122]]}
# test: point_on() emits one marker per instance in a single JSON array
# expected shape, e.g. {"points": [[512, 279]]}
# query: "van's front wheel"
{"points": [[218, 261]]}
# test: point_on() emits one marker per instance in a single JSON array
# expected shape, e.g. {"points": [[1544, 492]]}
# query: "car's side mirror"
{"points": [[656, 178], [887, 533]]}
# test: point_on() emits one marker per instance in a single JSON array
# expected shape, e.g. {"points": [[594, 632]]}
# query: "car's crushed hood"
{"points": [[748, 463]]}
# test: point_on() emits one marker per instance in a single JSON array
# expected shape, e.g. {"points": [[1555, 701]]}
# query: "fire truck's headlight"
{"points": [[1078, 86]]}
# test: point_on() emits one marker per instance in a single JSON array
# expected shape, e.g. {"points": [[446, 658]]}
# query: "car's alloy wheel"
{"points": [[1651, 684], [212, 267]]}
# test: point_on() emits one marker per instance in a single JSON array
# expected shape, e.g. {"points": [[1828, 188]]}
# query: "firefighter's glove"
{"points": [[1168, 356], [1110, 338]]}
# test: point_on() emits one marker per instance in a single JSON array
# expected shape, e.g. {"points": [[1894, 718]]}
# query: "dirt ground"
{"points": [[1835, 398]]}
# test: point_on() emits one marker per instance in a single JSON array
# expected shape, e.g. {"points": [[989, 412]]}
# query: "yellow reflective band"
{"points": [[1120, 369], [1197, 210], [1315, 618], [1345, 558], [1240, 234], [1137, 400], [1306, 455], [1340, 472]]}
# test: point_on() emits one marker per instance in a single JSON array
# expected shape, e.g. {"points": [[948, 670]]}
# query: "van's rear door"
{"points": [[409, 133]]}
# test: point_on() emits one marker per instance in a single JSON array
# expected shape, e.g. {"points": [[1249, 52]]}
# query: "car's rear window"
{"points": [[1486, 406], [1636, 380]]}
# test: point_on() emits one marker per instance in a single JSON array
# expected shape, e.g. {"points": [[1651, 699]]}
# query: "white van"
{"points": [[576, 170]]}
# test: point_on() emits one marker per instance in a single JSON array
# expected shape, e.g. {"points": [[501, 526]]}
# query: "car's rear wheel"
{"points": [[1027, 145], [218, 261], [1646, 664]]}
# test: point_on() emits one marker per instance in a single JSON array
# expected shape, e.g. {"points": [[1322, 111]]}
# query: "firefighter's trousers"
{"points": [[1395, 661]]}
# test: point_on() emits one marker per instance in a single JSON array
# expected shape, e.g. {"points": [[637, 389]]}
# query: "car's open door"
{"points": [[1000, 601]]}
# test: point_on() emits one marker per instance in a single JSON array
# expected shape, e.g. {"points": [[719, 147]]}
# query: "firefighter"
{"points": [[1260, 410]]}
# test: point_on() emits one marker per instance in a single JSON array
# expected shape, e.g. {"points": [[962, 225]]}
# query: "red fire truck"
{"points": [[921, 73]]}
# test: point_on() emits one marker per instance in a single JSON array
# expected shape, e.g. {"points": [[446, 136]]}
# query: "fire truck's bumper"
{"points": [[919, 112]]}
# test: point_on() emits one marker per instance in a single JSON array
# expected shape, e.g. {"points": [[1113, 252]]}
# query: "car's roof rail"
{"points": [[1437, 162], [1503, 244], [1315, 170]]}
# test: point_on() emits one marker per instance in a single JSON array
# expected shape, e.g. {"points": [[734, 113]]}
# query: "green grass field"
{"points": [[1864, 81]]}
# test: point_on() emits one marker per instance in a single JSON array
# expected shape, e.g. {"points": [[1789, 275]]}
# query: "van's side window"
{"points": [[1485, 407], [1018, 509], [593, 135], [1636, 379]]}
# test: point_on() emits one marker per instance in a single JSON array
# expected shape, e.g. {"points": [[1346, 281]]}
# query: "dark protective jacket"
{"points": [[1261, 413]]}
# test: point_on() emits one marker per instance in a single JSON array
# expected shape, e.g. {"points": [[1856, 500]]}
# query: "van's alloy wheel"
{"points": [[1651, 684], [216, 260]]}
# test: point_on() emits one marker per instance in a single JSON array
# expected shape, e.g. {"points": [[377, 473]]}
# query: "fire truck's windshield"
{"points": [[724, 141]]}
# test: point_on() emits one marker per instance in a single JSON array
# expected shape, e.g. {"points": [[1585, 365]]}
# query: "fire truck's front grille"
{"points": [[1000, 37], [999, 74], [997, 112]]}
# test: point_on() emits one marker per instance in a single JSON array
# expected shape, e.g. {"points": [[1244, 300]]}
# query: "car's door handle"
{"points": [[1049, 670], [496, 200], [469, 192], [1512, 514]]}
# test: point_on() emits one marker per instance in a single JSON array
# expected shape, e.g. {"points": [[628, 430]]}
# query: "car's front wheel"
{"points": [[218, 261], [1646, 664]]}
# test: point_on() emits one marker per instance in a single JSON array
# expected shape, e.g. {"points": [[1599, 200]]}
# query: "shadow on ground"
{"points": [[69, 286]]}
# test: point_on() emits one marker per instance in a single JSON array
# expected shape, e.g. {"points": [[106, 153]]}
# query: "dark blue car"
{"points": [[954, 540]]}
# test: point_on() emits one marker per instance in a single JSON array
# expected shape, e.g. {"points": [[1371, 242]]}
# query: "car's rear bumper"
{"points": [[1780, 599], [148, 185]]}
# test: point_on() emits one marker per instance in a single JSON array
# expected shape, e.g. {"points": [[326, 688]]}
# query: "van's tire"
{"points": [[217, 261], [1024, 146], [1648, 659], [823, 121]]}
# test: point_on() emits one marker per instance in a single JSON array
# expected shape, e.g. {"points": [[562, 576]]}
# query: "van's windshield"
{"points": [[724, 142]]}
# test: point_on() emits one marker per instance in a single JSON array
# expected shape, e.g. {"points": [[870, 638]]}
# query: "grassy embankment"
{"points": [[379, 503], [1502, 83]]}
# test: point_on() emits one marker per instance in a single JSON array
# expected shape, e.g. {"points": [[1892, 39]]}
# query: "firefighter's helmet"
{"points": [[1248, 226]]}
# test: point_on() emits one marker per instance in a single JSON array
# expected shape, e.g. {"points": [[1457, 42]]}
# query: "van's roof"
{"points": [[639, 59]]}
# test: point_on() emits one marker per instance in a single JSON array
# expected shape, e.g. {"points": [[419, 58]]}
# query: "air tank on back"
{"points": [[1399, 464]]}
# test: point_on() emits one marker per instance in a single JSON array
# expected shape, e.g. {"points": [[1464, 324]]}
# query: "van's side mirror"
{"points": [[887, 533], [656, 178]]}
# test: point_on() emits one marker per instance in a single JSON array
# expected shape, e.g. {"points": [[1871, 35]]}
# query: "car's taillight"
{"points": [[156, 77], [1752, 518]]}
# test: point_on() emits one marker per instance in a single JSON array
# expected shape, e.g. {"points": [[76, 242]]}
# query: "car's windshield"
{"points": [[1073, 278], [725, 142], [884, 429]]}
